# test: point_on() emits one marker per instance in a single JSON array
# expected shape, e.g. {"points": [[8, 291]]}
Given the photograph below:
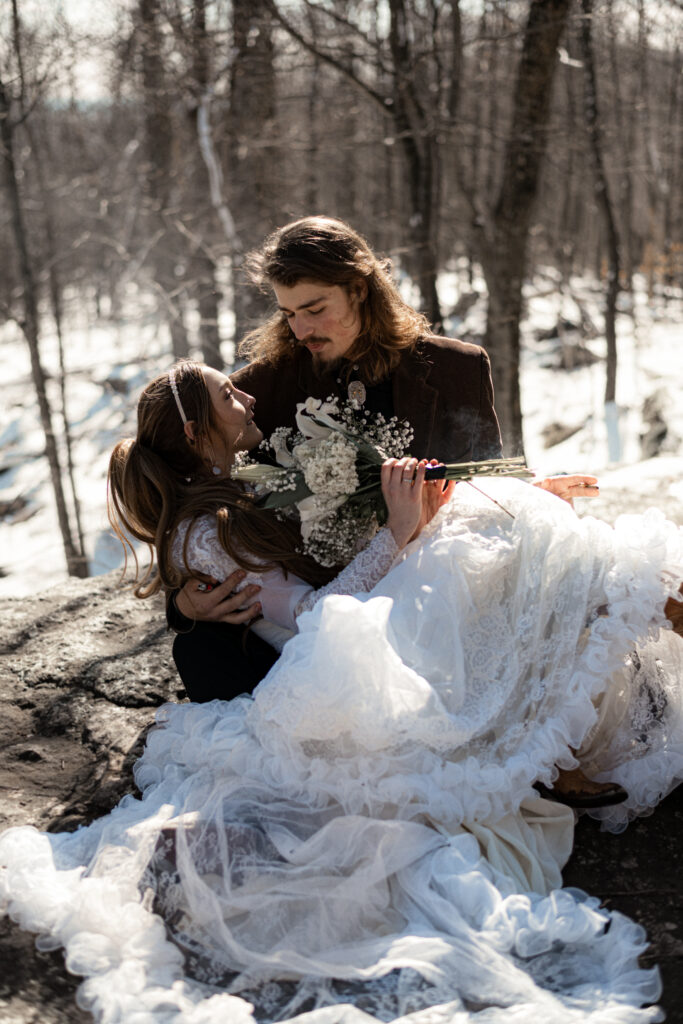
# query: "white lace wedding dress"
{"points": [[360, 839]]}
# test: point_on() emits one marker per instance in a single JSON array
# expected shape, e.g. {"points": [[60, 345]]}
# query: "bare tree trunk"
{"points": [[203, 265], [504, 245], [626, 141], [160, 146], [418, 140], [673, 145], [56, 302], [473, 146], [312, 149], [53, 279], [569, 213], [75, 562], [602, 198], [252, 159]]}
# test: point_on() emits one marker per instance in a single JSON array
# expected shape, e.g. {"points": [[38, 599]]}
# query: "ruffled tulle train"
{"points": [[361, 839]]}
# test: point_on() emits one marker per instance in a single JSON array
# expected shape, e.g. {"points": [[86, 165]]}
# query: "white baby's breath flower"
{"points": [[303, 452], [328, 455], [242, 459], [329, 466]]}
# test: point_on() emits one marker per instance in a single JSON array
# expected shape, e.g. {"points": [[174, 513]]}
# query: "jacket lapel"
{"points": [[415, 400]]}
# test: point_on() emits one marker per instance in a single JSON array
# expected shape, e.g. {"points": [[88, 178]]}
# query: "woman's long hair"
{"points": [[161, 477], [328, 250]]}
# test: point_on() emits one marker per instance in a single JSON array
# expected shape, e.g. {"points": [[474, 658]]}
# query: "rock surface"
{"points": [[82, 669]]}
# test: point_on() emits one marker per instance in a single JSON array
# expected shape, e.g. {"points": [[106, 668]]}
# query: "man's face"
{"points": [[323, 317]]}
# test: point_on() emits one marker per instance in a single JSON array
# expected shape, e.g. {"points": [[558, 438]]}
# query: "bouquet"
{"points": [[329, 471]]}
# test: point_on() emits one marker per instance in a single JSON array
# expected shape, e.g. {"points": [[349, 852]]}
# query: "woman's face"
{"points": [[234, 429]]}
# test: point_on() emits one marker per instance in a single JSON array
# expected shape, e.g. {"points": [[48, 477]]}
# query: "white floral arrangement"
{"points": [[329, 471]]}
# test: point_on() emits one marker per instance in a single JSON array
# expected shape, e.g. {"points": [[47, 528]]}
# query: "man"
{"points": [[341, 329]]}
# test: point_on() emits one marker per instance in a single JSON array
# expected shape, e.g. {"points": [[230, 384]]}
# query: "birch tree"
{"points": [[161, 152], [503, 230], [29, 321], [605, 206]]}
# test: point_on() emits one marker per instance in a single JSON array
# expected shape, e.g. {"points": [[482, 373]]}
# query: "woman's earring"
{"points": [[216, 470]]}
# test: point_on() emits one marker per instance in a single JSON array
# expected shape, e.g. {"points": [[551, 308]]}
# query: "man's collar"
{"points": [[308, 382], [414, 366]]}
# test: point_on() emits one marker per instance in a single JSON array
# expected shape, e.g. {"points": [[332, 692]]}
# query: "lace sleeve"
{"points": [[279, 596], [204, 553], [360, 575], [282, 598]]}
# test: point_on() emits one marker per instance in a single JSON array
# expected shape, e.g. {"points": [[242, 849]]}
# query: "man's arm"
{"points": [[464, 425], [215, 602], [486, 442]]}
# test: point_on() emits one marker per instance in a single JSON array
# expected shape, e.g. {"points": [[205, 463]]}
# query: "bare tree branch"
{"points": [[382, 100], [345, 23]]}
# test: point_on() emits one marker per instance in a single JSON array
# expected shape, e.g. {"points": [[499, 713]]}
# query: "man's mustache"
{"points": [[315, 340]]}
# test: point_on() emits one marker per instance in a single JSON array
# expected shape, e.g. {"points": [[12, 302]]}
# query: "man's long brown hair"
{"points": [[328, 250], [159, 478]]}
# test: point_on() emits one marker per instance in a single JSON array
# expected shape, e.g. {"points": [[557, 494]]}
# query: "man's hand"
{"points": [[435, 494], [220, 603], [570, 487]]}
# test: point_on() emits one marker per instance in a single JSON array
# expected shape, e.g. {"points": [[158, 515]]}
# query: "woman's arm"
{"points": [[282, 598], [403, 487]]}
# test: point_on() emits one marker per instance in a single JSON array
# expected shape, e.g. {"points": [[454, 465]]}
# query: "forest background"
{"points": [[147, 145]]}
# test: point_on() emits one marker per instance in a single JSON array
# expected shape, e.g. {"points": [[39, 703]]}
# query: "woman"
{"points": [[362, 837], [171, 488]]}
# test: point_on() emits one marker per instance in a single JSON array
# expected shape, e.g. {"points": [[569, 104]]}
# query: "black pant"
{"points": [[219, 662]]}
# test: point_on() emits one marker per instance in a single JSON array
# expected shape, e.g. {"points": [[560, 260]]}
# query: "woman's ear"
{"points": [[190, 430]]}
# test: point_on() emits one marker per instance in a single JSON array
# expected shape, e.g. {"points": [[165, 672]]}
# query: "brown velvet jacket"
{"points": [[442, 388]]}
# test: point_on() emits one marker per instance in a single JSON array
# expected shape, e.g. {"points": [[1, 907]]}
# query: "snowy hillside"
{"points": [[108, 363]]}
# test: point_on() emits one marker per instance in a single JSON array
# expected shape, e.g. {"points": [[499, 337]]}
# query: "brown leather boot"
{"points": [[574, 789], [674, 612]]}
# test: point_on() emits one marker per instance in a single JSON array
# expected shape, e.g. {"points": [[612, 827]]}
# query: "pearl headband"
{"points": [[174, 389]]}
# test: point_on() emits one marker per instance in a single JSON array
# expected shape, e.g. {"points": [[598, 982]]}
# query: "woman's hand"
{"points": [[402, 488], [570, 487], [218, 602]]}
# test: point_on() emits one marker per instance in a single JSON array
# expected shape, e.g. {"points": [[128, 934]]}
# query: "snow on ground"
{"points": [[108, 363]]}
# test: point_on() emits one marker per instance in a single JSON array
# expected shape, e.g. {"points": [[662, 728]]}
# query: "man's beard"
{"points": [[325, 368]]}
